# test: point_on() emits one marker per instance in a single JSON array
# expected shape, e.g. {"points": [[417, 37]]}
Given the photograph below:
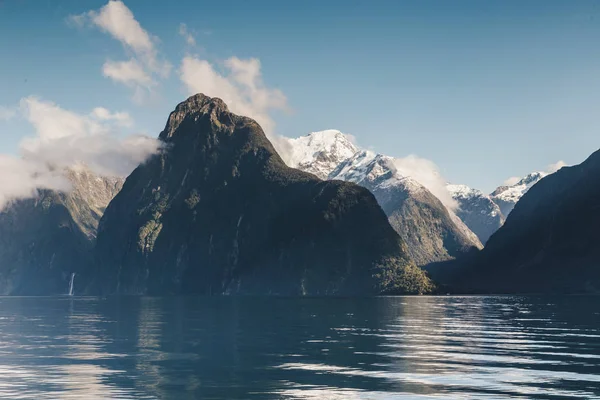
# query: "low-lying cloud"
{"points": [[428, 174], [21, 179], [64, 139]]}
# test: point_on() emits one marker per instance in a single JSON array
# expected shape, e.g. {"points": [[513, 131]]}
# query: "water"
{"points": [[266, 348]]}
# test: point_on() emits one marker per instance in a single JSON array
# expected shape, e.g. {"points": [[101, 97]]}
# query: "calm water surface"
{"points": [[282, 348]]}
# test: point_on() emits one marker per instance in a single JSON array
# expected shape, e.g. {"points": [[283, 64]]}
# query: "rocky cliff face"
{"points": [[549, 242], [45, 239], [477, 210], [431, 232], [218, 212]]}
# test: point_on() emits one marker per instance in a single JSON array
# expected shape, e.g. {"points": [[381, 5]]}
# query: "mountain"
{"points": [[508, 195], [430, 230], [320, 152], [477, 210], [219, 212], [45, 239], [549, 242]]}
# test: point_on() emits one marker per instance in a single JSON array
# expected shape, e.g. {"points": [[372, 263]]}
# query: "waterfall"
{"points": [[71, 284]]}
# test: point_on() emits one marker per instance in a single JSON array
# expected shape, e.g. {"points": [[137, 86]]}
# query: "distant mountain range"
{"points": [[331, 154], [477, 210], [217, 211], [549, 242], [433, 233], [485, 214]]}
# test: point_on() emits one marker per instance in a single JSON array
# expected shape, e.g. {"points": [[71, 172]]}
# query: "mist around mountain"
{"points": [[45, 239]]}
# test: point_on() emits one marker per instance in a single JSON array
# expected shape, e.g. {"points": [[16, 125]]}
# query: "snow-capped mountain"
{"points": [[320, 152], [477, 210], [507, 196], [430, 230]]}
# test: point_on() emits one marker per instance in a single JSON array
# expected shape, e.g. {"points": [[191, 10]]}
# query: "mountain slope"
{"points": [[431, 232], [549, 242], [428, 228], [477, 210], [45, 239], [508, 195], [218, 212]]}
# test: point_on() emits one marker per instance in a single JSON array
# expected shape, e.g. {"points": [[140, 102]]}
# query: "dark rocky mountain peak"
{"points": [[219, 212], [195, 107]]}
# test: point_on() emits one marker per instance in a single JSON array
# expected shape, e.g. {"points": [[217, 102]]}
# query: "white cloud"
{"points": [[66, 139], [241, 87], [21, 179], [513, 180], [118, 20], [186, 34], [103, 114], [130, 73], [552, 168], [427, 173], [7, 113], [145, 66]]}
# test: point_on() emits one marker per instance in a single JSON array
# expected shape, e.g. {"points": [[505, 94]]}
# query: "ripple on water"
{"points": [[243, 348]]}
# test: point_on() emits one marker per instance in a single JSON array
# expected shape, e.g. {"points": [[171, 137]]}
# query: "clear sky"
{"points": [[485, 89]]}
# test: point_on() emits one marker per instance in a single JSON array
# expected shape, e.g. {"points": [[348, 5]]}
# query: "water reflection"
{"points": [[240, 348]]}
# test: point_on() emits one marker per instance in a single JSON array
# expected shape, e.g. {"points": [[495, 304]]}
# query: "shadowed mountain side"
{"points": [[218, 212], [549, 242]]}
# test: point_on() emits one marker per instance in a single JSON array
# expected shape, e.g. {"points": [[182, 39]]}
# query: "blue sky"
{"points": [[486, 90]]}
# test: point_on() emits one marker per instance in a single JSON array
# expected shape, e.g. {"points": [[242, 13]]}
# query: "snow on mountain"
{"points": [[508, 195], [320, 152], [370, 169], [477, 210], [431, 231]]}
